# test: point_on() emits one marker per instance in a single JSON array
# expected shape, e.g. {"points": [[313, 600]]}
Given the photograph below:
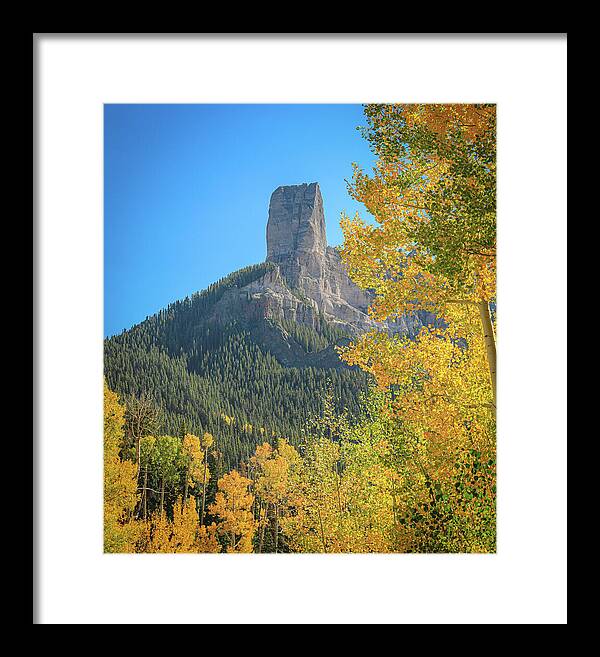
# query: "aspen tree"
{"points": [[433, 197], [120, 494], [193, 460], [233, 506], [141, 419], [206, 443]]}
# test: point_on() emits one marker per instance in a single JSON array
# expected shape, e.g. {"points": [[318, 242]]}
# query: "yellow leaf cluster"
{"points": [[233, 506]]}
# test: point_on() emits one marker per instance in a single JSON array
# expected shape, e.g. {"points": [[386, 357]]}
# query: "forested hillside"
{"points": [[224, 377]]}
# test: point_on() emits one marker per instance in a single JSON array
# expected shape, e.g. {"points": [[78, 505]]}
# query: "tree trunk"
{"points": [[489, 341], [262, 528], [338, 481], [185, 486], [276, 508], [146, 492], [138, 453], [232, 532], [322, 532], [204, 488], [162, 495]]}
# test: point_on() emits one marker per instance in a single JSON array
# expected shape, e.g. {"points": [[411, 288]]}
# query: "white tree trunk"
{"points": [[489, 341]]}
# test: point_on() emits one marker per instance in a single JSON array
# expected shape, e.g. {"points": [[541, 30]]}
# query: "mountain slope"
{"points": [[253, 356], [245, 380]]}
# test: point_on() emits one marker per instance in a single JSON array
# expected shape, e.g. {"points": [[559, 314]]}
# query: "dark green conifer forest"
{"points": [[224, 377]]}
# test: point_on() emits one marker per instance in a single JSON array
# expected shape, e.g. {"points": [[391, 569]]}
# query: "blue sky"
{"points": [[187, 188]]}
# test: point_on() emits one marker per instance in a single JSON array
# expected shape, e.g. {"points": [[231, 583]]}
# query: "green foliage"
{"points": [[372, 486], [222, 377], [453, 147], [314, 340], [461, 516]]}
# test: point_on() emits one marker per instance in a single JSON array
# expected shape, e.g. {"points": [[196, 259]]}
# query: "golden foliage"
{"points": [[194, 458], [121, 532], [183, 534], [432, 194], [207, 539], [432, 248], [207, 440], [233, 506]]}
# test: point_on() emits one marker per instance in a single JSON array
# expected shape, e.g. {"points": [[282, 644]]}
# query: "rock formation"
{"points": [[307, 281]]}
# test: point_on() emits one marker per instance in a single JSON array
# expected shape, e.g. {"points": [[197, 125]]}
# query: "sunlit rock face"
{"points": [[308, 281], [297, 243], [296, 225]]}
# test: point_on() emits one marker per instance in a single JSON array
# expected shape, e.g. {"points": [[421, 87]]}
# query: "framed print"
{"points": [[285, 328]]}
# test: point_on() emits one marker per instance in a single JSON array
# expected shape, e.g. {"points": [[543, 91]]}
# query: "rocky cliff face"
{"points": [[307, 281]]}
